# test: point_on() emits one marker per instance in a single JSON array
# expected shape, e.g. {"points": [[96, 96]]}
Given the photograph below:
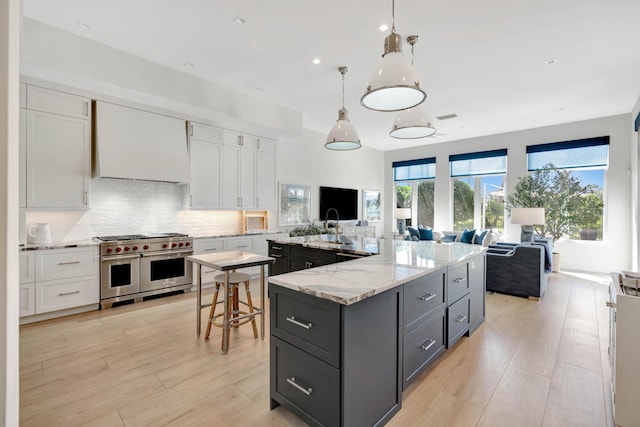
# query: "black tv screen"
{"points": [[344, 200]]}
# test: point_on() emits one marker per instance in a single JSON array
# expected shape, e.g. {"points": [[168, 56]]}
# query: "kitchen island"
{"points": [[347, 337]]}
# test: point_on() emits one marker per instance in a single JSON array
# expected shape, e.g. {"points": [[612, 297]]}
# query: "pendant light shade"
{"points": [[394, 84], [413, 123], [343, 135]]}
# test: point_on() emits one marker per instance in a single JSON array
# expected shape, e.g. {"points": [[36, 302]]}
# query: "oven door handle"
{"points": [[152, 254], [118, 258]]}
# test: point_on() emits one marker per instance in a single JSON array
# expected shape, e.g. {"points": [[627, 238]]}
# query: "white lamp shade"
{"points": [[394, 85], [527, 216], [412, 123], [343, 135], [403, 213]]}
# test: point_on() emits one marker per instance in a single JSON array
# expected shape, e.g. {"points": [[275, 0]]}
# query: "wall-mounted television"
{"points": [[344, 200]]}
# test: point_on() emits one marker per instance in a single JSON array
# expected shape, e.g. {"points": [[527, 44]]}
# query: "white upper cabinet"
{"points": [[53, 101], [266, 145], [23, 95], [266, 181], [205, 147], [57, 135], [22, 165]]}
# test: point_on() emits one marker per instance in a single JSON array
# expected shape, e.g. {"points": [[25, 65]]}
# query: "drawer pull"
{"points": [[277, 248], [459, 280], [427, 297], [611, 304], [293, 320], [210, 249], [241, 246], [276, 256], [427, 345], [306, 391], [62, 294], [69, 263], [461, 318]]}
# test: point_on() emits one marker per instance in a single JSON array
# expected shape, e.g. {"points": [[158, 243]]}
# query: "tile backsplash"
{"points": [[126, 206]]}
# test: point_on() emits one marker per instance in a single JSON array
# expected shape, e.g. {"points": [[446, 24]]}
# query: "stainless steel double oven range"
{"points": [[141, 265]]}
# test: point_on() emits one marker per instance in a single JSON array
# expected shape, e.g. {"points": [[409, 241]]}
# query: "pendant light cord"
{"points": [[393, 16]]}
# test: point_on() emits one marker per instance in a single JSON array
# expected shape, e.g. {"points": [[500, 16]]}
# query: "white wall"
{"points": [[304, 160], [635, 190], [9, 343], [612, 254]]}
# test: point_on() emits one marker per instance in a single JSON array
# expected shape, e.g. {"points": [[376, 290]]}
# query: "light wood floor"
{"points": [[530, 364]]}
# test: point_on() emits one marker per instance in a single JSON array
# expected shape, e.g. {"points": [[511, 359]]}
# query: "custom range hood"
{"points": [[136, 144]]}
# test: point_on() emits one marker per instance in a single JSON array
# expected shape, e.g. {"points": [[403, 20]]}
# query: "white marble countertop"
{"points": [[230, 260], [353, 244], [59, 245], [397, 263]]}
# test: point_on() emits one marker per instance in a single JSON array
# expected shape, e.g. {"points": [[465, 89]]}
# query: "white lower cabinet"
{"points": [[207, 246], [58, 279]]}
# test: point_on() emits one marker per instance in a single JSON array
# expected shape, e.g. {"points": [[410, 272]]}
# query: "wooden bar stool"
{"points": [[236, 316]]}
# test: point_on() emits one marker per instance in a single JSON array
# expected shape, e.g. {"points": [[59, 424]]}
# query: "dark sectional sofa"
{"points": [[519, 269]]}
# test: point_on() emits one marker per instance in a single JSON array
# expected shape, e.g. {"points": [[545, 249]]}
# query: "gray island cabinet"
{"points": [[347, 338]]}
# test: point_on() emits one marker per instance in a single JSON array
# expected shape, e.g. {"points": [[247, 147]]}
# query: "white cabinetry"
{"points": [[23, 158], [207, 246], [624, 347], [58, 279], [266, 181], [205, 144], [57, 136]]}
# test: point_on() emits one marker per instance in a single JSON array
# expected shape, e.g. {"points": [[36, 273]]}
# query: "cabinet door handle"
{"points": [[459, 280], [191, 128], [258, 143], [85, 198], [461, 318], [427, 345], [62, 294], [258, 201], [85, 109], [191, 200], [611, 304], [306, 391], [69, 262], [293, 320], [427, 297]]}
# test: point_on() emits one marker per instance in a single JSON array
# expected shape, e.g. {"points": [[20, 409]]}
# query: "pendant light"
{"points": [[343, 135], [412, 123], [394, 85]]}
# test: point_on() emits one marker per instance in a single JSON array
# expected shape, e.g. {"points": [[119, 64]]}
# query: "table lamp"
{"points": [[401, 215], [527, 218]]}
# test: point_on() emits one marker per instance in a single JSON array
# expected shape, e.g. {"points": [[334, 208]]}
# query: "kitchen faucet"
{"points": [[337, 225]]}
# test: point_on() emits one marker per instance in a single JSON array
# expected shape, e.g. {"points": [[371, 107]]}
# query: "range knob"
{"points": [[109, 250], [180, 244], [165, 246], [127, 248], [187, 244], [173, 245], [145, 247], [118, 249], [135, 248]]}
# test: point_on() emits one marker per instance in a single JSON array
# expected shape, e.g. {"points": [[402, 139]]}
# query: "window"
{"points": [[585, 160], [414, 182], [478, 189]]}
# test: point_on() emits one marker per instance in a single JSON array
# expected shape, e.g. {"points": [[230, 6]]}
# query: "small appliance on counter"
{"points": [[40, 232]]}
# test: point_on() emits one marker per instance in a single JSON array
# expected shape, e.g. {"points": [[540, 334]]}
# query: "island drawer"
{"points": [[310, 323], [457, 320], [422, 296], [304, 384], [457, 281], [423, 346]]}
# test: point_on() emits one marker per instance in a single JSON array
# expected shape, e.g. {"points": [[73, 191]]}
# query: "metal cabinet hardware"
{"points": [[459, 280], [121, 257], [257, 201], [427, 345], [191, 127], [293, 320], [306, 391], [62, 294], [276, 255], [427, 297], [308, 264], [241, 246], [85, 198], [69, 262], [258, 143], [277, 248], [210, 249], [611, 304], [461, 318], [85, 109]]}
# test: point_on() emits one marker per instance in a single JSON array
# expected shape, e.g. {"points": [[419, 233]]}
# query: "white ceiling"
{"points": [[484, 61]]}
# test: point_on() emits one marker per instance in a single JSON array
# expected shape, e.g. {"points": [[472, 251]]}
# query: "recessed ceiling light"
{"points": [[189, 64], [83, 25], [316, 61], [383, 27], [239, 20], [551, 61]]}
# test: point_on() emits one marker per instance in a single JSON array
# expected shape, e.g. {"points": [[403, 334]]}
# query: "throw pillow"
{"points": [[480, 237], [467, 235], [413, 232], [449, 238], [425, 233]]}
